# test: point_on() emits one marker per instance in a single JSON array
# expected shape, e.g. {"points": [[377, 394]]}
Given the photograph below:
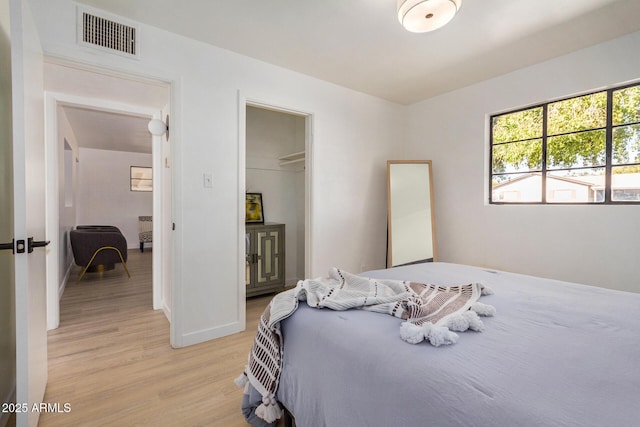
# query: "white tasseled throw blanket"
{"points": [[431, 312]]}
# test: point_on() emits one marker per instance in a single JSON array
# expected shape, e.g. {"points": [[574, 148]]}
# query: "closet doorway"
{"points": [[278, 163]]}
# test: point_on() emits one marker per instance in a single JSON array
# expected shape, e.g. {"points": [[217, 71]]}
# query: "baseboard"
{"points": [[63, 284], [9, 398], [167, 311], [203, 335], [147, 245]]}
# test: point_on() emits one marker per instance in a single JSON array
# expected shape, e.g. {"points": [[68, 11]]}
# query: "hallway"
{"points": [[111, 360]]}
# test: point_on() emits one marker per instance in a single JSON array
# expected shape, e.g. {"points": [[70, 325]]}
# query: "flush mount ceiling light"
{"points": [[421, 16]]}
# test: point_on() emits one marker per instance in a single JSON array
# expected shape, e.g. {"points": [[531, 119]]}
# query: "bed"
{"points": [[554, 354]]}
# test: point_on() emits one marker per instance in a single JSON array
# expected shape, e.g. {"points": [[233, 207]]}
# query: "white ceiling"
{"points": [[359, 44], [108, 131], [101, 129]]}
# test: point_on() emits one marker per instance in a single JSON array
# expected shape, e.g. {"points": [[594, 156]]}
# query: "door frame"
{"points": [[172, 270], [53, 100], [245, 101]]}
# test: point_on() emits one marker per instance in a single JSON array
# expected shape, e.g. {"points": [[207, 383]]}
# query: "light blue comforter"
{"points": [[555, 354]]}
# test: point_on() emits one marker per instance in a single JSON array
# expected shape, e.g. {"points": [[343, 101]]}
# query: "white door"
{"points": [[29, 211]]}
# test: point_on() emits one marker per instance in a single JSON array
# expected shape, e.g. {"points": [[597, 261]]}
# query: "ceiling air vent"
{"points": [[108, 34]]}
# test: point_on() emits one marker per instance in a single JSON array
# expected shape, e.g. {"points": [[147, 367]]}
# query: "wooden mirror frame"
{"points": [[426, 227]]}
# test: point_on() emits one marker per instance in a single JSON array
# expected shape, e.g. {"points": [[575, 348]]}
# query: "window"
{"points": [[584, 149], [141, 178]]}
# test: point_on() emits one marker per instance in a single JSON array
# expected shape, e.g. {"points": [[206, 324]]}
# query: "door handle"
{"points": [[7, 246], [36, 244], [20, 246]]}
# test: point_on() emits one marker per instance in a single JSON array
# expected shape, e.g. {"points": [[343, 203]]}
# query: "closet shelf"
{"points": [[292, 158]]}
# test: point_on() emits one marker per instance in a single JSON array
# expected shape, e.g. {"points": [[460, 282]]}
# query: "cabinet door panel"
{"points": [[268, 256], [265, 258], [247, 259]]}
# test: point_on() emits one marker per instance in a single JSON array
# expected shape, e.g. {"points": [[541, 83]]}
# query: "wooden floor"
{"points": [[111, 360]]}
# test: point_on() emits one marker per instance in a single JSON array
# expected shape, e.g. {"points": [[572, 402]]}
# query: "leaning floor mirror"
{"points": [[410, 218]]}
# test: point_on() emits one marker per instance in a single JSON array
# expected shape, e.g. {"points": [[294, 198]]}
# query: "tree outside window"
{"points": [[584, 149]]}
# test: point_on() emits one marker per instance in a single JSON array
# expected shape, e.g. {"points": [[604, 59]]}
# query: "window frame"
{"points": [[138, 188], [544, 170]]}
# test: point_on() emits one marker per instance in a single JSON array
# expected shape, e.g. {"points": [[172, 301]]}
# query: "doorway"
{"points": [[110, 103], [278, 166]]}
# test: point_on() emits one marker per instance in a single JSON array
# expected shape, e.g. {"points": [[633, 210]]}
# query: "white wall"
{"points": [[270, 135], [67, 214], [589, 244], [104, 195], [354, 134]]}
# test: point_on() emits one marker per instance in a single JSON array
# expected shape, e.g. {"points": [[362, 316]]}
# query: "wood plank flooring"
{"points": [[111, 360]]}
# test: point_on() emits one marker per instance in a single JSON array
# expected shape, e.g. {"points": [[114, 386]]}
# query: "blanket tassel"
{"points": [[242, 382], [269, 410], [439, 335], [484, 289], [483, 309], [411, 333], [436, 335], [463, 321]]}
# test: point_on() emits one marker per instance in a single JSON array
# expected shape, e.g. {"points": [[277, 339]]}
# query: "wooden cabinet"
{"points": [[264, 260]]}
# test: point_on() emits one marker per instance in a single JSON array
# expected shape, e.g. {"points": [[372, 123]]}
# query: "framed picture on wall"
{"points": [[254, 210], [141, 178]]}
